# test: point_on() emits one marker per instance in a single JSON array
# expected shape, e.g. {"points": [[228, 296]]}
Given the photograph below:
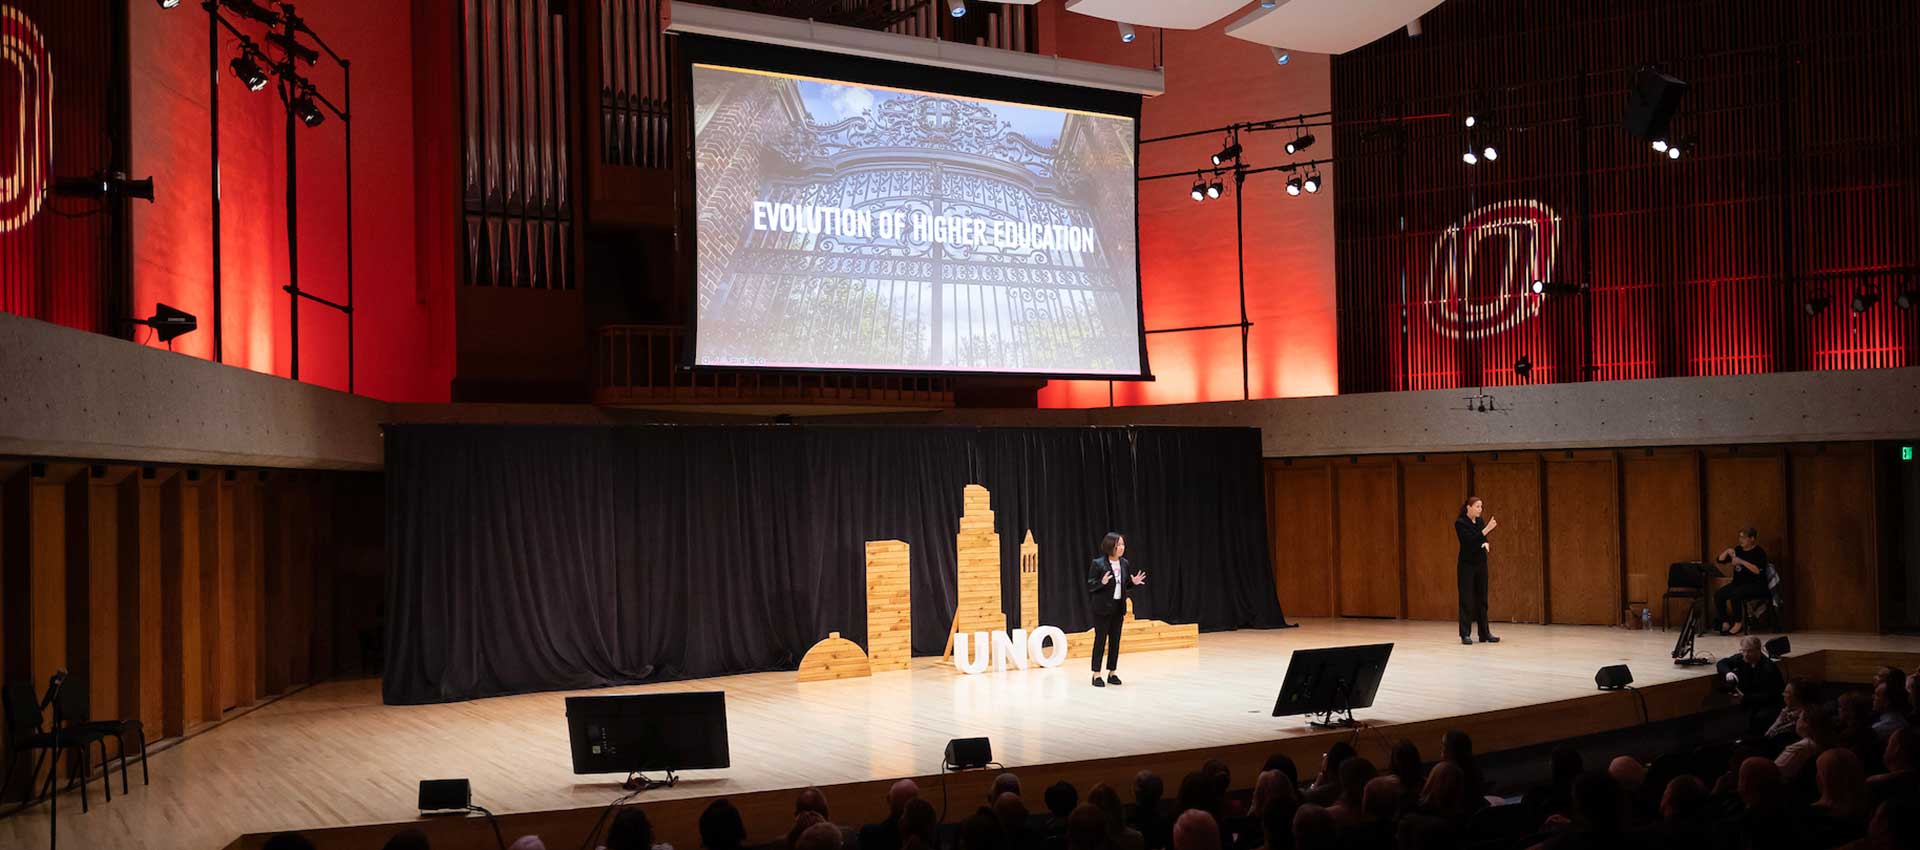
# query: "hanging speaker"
{"points": [[1651, 103]]}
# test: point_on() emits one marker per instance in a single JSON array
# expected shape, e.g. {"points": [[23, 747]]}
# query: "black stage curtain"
{"points": [[526, 558]]}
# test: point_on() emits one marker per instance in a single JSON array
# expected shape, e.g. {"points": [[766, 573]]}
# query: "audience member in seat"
{"points": [[1326, 787], [1313, 829], [1631, 776], [820, 836], [1457, 747], [1442, 814], [1795, 699], [1379, 816], [1598, 811], [1147, 813], [528, 842], [1756, 681], [1355, 773], [1005, 783], [1764, 821], [1199, 791], [982, 832], [1555, 797], [1404, 763], [1276, 827], [410, 839], [721, 827], [1890, 709], [1283, 763], [1119, 835], [917, 824], [1895, 826], [1015, 824], [1271, 791], [1061, 799], [1840, 815], [1817, 733], [1902, 779], [885, 835], [1913, 698], [1196, 830], [802, 822], [287, 841], [1087, 829], [1685, 817], [631, 830]]}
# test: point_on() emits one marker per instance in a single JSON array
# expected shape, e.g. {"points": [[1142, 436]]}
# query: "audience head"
{"points": [[820, 836], [1799, 692], [1198, 791], [1685, 797], [1221, 774], [1628, 773], [1913, 690], [1271, 789], [1005, 783], [1087, 828], [287, 841], [1330, 761], [1445, 793], [411, 839], [630, 830], [917, 820], [1750, 649], [1102, 796], [1901, 753], [1148, 789], [1313, 829], [1818, 725], [1843, 782], [1456, 747], [1896, 824], [802, 822], [1381, 800], [1283, 763], [1891, 674], [721, 827], [901, 793], [1404, 762], [528, 842], [1888, 699], [1276, 825], [1355, 773], [1598, 804], [1012, 814], [1567, 766], [1760, 787], [981, 832], [812, 799], [1196, 830], [1061, 798]]}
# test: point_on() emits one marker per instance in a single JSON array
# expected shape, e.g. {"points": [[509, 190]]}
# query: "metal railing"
{"points": [[643, 364]]}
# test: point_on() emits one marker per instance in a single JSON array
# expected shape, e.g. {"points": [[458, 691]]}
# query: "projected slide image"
{"points": [[847, 226]]}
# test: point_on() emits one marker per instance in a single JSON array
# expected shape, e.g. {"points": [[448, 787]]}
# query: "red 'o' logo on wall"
{"points": [[26, 118], [1480, 277]]}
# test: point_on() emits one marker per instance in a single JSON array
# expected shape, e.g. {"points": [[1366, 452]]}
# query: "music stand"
{"points": [[1332, 681], [633, 733], [1683, 646]]}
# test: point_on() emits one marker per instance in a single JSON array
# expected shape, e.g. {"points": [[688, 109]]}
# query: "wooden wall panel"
{"points": [[1510, 485], [1583, 540], [274, 622], [211, 609], [181, 604], [142, 641], [97, 495], [1662, 517], [47, 572], [16, 662], [1300, 516], [1835, 543], [1431, 492], [1368, 499]]}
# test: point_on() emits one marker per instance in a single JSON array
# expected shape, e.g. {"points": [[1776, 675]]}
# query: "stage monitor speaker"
{"points": [[1613, 678], [965, 753], [445, 795], [1779, 647], [634, 733], [1651, 103], [1332, 681]]}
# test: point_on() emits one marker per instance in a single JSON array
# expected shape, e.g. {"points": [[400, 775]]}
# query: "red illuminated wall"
{"points": [[394, 319], [1802, 181], [1187, 250]]}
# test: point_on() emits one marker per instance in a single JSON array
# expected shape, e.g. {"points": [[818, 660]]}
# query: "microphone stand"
{"points": [[52, 698]]}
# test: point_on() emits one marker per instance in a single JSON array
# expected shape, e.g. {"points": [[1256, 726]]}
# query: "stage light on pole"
{"points": [[958, 8], [1864, 300], [1312, 183], [1280, 55], [1199, 189], [1294, 185], [1673, 151], [104, 185], [1659, 145], [1490, 153], [1817, 305], [307, 111], [1126, 32], [1230, 152], [1470, 158], [1472, 120], [249, 72], [1539, 287], [1214, 189], [1300, 143]]}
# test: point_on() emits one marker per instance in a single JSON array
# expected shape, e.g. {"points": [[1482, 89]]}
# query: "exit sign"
{"points": [[1906, 453]]}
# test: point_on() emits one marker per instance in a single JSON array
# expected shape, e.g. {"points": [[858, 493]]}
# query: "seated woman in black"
{"points": [[1749, 563]]}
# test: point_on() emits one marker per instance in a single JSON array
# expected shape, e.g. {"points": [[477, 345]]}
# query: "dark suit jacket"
{"points": [[1101, 595]]}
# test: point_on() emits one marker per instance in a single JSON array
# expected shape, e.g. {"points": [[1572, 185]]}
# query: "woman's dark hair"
{"points": [[1148, 789], [1567, 766], [1198, 791], [1457, 747], [1108, 542], [981, 832], [630, 830], [1468, 504], [721, 827], [1404, 762], [411, 839], [1336, 754], [1283, 763], [917, 820]]}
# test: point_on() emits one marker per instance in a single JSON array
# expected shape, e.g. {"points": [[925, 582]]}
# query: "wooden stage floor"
{"points": [[332, 755]]}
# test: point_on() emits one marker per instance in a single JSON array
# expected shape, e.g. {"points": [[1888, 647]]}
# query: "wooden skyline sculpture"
{"points": [[889, 622]]}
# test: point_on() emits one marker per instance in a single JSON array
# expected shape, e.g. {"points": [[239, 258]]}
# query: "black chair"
{"points": [[77, 715], [1685, 580], [24, 734]]}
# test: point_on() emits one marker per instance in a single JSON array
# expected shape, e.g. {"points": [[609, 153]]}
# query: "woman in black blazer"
{"points": [[1472, 569], [1108, 583]]}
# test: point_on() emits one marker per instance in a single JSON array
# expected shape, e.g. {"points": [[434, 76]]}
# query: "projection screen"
{"points": [[851, 225]]}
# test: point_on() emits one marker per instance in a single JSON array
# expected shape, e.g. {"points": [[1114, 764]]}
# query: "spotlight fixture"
{"points": [[1470, 158], [1673, 151], [958, 8], [250, 73], [1904, 300], [251, 9], [307, 111], [1414, 29], [1294, 185], [1544, 287], [1312, 183], [169, 4], [1280, 54], [1199, 188], [1490, 153], [293, 48], [169, 322], [1126, 32], [1523, 366], [1231, 151], [1300, 143], [1472, 119], [1659, 145], [1864, 300], [1214, 189], [1817, 305], [104, 185]]}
